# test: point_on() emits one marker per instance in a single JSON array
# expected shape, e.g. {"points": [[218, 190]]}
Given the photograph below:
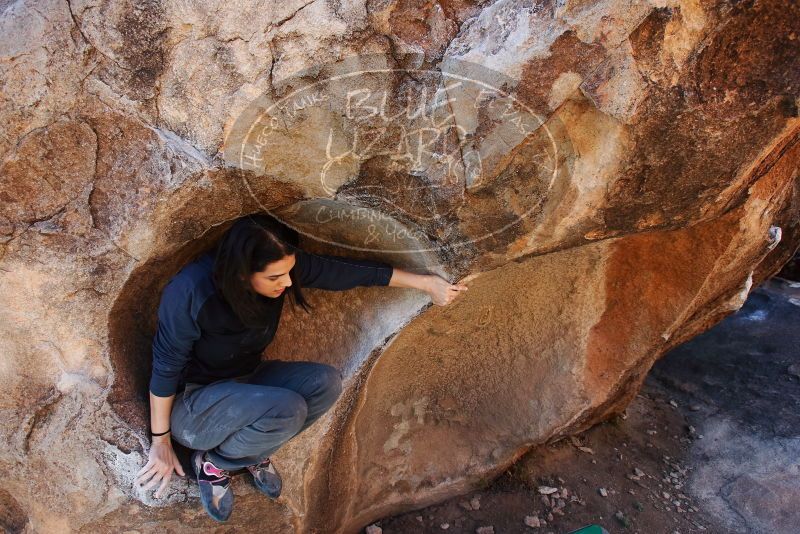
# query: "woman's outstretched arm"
{"points": [[340, 272], [441, 291]]}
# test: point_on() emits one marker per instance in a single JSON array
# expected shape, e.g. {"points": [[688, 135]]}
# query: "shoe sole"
{"points": [[266, 491], [223, 512]]}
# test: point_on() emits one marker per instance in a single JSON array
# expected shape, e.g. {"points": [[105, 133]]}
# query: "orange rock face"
{"points": [[610, 178]]}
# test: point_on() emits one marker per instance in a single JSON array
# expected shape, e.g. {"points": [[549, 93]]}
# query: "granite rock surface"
{"points": [[610, 178]]}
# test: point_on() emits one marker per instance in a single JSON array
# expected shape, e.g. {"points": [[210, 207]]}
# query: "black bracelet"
{"points": [[160, 434]]}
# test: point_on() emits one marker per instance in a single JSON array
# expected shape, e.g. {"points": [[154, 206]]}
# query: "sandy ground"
{"points": [[711, 444]]}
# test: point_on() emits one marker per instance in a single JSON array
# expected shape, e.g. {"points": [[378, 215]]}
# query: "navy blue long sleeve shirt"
{"points": [[201, 340]]}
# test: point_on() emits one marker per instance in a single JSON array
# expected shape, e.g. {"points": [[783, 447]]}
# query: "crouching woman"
{"points": [[209, 389]]}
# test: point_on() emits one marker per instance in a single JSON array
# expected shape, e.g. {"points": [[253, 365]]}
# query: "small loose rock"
{"points": [[603, 492], [374, 529], [484, 530], [532, 521], [475, 503]]}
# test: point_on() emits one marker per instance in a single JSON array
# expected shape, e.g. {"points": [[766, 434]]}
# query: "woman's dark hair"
{"points": [[246, 248]]}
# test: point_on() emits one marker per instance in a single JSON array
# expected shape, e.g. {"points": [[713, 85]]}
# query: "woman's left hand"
{"points": [[443, 292]]}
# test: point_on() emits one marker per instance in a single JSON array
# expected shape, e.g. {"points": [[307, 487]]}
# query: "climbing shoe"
{"points": [[215, 487], [266, 478]]}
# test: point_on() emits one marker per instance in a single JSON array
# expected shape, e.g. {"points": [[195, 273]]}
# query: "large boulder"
{"points": [[609, 178]]}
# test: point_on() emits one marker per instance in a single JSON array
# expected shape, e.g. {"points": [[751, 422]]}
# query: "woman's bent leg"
{"points": [[318, 383], [238, 423]]}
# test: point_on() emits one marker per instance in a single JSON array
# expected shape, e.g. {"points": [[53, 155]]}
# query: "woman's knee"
{"points": [[290, 406], [329, 380]]}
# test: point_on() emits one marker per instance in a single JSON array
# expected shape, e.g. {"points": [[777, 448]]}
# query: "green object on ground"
{"points": [[591, 529]]}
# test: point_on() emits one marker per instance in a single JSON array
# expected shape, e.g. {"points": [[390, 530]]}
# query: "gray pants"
{"points": [[244, 420]]}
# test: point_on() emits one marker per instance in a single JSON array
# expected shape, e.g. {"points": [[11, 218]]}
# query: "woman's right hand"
{"points": [[160, 464]]}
